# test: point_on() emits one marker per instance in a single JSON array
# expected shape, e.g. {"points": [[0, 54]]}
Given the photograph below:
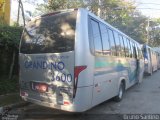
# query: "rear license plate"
{"points": [[40, 87]]}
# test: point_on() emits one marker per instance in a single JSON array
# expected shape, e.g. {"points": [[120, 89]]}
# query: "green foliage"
{"points": [[55, 5], [121, 14], [155, 32], [8, 86], [64, 4], [9, 42], [10, 36]]}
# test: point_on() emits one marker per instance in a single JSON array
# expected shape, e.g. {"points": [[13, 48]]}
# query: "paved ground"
{"points": [[9, 99], [140, 99]]}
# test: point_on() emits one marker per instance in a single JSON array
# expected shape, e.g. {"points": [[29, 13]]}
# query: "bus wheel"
{"points": [[121, 91]]}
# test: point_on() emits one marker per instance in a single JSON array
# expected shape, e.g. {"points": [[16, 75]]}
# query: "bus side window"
{"points": [[118, 44], [112, 42], [137, 53], [144, 52], [122, 46], [105, 40], [91, 41], [134, 51], [140, 53], [149, 53], [96, 37], [129, 46], [126, 47]]}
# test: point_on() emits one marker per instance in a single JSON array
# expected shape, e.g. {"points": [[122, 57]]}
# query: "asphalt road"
{"points": [[139, 99]]}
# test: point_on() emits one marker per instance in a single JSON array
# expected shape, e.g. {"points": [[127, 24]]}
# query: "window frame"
{"points": [[92, 19], [115, 52], [109, 44]]}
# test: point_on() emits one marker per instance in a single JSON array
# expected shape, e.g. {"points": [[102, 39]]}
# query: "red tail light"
{"points": [[77, 71], [66, 103]]}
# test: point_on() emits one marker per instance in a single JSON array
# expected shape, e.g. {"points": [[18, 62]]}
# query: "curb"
{"points": [[7, 108]]}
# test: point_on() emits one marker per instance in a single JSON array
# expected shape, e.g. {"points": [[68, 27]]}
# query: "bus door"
{"points": [[140, 68], [139, 64]]}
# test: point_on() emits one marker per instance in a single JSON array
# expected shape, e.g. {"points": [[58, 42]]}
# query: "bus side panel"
{"points": [[105, 79], [154, 61], [82, 101], [83, 57], [158, 60], [109, 72]]}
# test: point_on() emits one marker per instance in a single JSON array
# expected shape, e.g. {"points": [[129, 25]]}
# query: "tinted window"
{"points": [[118, 44], [129, 48], [122, 46], [134, 51], [50, 34], [140, 53], [112, 42], [96, 37], [126, 47], [105, 40], [137, 50]]}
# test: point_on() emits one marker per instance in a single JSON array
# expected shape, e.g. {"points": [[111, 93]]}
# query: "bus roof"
{"points": [[53, 13]]}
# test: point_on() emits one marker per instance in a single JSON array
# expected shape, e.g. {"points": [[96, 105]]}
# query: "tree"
{"points": [[20, 7], [9, 44], [126, 19], [121, 14], [55, 5], [154, 32]]}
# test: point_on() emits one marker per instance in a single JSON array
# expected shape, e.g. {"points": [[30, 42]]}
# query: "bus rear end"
{"points": [[46, 58]]}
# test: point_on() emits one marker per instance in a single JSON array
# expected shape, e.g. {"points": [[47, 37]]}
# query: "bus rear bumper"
{"points": [[69, 108]]}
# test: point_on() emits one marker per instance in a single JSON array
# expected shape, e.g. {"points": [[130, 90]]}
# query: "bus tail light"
{"points": [[66, 103], [77, 71]]}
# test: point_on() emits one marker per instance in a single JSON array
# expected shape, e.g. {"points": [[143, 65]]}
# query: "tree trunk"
{"points": [[100, 9], [18, 13], [22, 12], [12, 64]]}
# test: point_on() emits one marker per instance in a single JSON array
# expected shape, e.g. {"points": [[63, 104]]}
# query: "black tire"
{"points": [[121, 91]]}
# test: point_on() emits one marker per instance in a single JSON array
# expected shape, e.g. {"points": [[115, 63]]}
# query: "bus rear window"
{"points": [[51, 34]]}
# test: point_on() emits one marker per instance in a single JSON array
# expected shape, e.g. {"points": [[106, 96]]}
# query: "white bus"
{"points": [[158, 59], [150, 59], [72, 60], [157, 50]]}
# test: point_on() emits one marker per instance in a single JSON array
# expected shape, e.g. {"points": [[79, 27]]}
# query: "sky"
{"points": [[28, 5], [154, 5]]}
